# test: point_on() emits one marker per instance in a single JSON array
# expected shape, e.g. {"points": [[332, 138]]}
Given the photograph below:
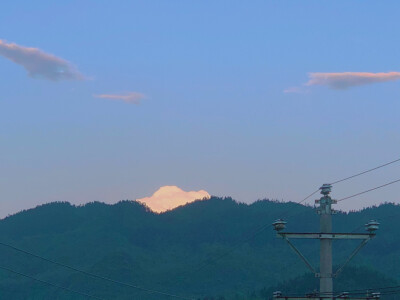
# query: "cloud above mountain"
{"points": [[132, 97], [169, 197], [39, 64], [346, 80]]}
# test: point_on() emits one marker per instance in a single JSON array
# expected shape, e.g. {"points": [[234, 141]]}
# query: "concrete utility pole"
{"points": [[325, 211], [326, 236]]}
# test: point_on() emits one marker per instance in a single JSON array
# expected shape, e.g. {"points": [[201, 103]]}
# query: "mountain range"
{"points": [[213, 249]]}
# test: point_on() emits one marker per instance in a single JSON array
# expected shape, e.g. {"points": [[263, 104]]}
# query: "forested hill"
{"points": [[191, 251]]}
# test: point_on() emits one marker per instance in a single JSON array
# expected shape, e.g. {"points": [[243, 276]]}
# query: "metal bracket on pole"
{"points": [[325, 298], [326, 237], [301, 255], [351, 257], [331, 236]]}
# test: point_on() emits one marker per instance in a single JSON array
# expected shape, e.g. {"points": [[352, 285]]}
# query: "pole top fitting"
{"points": [[376, 295], [279, 225], [372, 226], [277, 294], [326, 188]]}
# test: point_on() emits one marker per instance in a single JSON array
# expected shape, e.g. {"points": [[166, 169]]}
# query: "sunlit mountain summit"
{"points": [[169, 197]]}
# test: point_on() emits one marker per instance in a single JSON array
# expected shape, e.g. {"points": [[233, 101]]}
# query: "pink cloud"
{"points": [[39, 64], [295, 90], [346, 80], [169, 197], [131, 97]]}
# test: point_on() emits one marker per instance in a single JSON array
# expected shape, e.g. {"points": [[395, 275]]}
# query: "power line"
{"points": [[370, 190], [367, 171], [391, 292], [94, 275], [353, 176], [383, 291], [208, 262], [363, 291], [259, 230], [51, 284], [378, 219], [265, 226], [308, 197]]}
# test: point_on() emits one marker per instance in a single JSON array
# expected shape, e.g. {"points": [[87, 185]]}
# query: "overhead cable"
{"points": [[367, 171], [94, 275], [51, 284], [370, 190]]}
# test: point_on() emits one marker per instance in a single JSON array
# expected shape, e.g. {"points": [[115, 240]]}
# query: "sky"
{"points": [[105, 100]]}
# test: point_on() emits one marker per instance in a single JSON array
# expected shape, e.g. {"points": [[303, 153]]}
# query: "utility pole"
{"points": [[326, 236], [325, 211]]}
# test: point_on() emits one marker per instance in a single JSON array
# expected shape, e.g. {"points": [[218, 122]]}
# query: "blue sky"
{"points": [[214, 115]]}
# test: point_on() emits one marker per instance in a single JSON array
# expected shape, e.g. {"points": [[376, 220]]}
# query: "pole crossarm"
{"points": [[326, 238], [325, 298], [332, 236]]}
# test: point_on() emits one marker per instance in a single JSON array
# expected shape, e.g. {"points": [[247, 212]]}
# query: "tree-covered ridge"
{"points": [[175, 251]]}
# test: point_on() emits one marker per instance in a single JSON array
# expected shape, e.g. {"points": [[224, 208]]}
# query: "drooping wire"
{"points": [[249, 237], [364, 291], [359, 174], [265, 226], [51, 284], [208, 262], [339, 296], [94, 275], [379, 219], [370, 190], [355, 175], [258, 231], [382, 290], [367, 171], [308, 196]]}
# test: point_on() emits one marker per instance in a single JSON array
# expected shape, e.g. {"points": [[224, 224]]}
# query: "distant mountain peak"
{"points": [[170, 196]]}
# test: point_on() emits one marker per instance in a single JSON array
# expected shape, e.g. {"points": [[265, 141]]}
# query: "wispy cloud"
{"points": [[169, 197], [39, 64], [346, 80], [296, 90], [131, 97]]}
